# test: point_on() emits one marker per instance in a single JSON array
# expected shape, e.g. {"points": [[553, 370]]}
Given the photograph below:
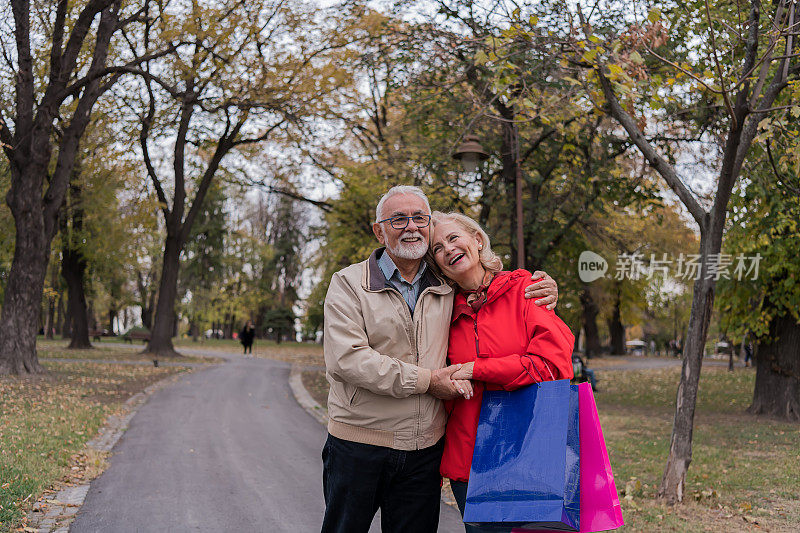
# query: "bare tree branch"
{"points": [[656, 161], [764, 71], [25, 90], [325, 206], [263, 137], [70, 141], [722, 83], [58, 39], [224, 146], [789, 42], [128, 68], [75, 42], [147, 121]]}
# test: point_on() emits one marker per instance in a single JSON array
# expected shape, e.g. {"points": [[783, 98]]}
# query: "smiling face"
{"points": [[411, 242], [457, 253]]}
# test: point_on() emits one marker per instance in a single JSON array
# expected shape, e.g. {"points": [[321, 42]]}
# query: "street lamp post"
{"points": [[470, 153]]}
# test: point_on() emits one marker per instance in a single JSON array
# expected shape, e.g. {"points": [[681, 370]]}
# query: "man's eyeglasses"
{"points": [[420, 221]]}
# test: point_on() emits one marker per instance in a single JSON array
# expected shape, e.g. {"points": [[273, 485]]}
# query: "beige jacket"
{"points": [[379, 358]]}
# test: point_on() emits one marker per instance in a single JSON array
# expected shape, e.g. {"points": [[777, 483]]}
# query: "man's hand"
{"points": [[445, 388], [465, 372], [544, 288]]}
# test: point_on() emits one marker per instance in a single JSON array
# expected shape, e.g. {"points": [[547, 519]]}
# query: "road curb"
{"points": [[55, 514], [302, 396]]}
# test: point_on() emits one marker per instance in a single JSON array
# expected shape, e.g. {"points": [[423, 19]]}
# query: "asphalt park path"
{"points": [[225, 448]]}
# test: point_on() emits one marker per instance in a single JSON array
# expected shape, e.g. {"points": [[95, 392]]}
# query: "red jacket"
{"points": [[507, 338]]}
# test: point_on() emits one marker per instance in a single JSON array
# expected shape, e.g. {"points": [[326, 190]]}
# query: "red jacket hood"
{"points": [[500, 284]]}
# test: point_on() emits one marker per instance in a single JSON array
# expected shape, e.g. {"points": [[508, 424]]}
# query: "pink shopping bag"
{"points": [[600, 508]]}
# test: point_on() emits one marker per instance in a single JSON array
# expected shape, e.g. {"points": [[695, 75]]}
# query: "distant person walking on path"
{"points": [[247, 335], [385, 340]]}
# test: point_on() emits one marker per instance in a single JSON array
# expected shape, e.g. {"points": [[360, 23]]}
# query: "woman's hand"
{"points": [[464, 386], [465, 372]]}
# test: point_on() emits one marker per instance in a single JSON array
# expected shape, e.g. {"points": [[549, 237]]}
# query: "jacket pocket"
{"points": [[352, 398]]}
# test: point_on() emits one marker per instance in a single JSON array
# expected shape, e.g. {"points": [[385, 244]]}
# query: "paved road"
{"points": [[223, 449]]}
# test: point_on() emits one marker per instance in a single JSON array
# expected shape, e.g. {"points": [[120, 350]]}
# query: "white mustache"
{"points": [[408, 234]]}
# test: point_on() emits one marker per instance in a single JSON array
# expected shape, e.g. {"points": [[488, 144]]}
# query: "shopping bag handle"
{"points": [[552, 377]]}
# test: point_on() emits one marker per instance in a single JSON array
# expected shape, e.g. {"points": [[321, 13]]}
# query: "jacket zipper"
{"points": [[477, 345], [415, 347], [418, 306]]}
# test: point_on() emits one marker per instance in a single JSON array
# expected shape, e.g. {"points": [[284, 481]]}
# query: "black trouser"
{"points": [[248, 346], [358, 479]]}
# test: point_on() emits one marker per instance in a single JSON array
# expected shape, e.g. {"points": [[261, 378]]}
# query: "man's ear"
{"points": [[378, 231]]}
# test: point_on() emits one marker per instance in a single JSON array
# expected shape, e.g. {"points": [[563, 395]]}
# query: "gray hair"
{"points": [[487, 257], [400, 189]]}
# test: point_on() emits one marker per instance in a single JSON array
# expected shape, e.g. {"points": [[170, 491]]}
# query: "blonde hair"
{"points": [[490, 261]]}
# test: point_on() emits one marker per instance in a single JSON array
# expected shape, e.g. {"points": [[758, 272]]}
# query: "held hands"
{"points": [[545, 289], [465, 372], [462, 377], [445, 387]]}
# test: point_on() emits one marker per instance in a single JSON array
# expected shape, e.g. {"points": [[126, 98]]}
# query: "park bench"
{"points": [[95, 334], [131, 336]]}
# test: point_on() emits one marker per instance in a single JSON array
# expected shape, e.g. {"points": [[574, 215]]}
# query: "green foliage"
{"points": [[764, 221], [205, 258], [427, 87], [735, 455], [279, 322]]}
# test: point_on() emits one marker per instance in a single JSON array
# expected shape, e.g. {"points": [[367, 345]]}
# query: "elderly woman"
{"points": [[502, 340]]}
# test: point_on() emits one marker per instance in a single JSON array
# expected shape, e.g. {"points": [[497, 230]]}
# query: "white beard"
{"points": [[409, 250]]}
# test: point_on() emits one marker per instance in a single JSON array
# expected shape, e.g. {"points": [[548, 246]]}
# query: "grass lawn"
{"points": [[745, 472], [304, 353], [109, 349], [46, 420]]}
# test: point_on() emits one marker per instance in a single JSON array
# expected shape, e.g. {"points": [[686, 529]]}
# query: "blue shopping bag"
{"points": [[525, 468]]}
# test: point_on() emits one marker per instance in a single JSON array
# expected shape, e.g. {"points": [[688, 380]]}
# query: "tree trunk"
{"points": [[227, 331], [147, 314], [23, 291], [777, 389], [112, 314], [61, 317], [147, 298], [73, 268], [231, 326], [50, 323], [35, 209], [742, 351], [680, 450], [616, 329], [164, 318], [590, 312]]}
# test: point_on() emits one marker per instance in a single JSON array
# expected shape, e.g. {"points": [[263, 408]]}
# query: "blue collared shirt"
{"points": [[409, 291]]}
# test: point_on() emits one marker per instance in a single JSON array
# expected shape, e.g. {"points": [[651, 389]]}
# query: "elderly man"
{"points": [[386, 330]]}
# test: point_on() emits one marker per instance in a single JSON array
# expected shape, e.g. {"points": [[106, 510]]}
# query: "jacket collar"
{"points": [[501, 283], [374, 280]]}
